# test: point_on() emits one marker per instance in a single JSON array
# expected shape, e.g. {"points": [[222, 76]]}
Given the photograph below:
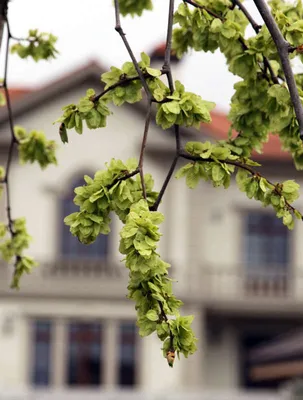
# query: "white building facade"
{"points": [[71, 327]]}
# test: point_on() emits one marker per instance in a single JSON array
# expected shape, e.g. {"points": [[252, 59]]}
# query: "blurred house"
{"points": [[238, 269]]}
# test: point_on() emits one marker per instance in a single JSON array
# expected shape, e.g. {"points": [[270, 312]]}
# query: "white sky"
{"points": [[85, 31]]}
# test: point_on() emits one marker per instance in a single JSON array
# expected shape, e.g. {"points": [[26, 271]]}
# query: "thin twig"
{"points": [[164, 316], [237, 164], [119, 29], [192, 3], [143, 145], [155, 206], [257, 28], [167, 68], [283, 49], [267, 64], [252, 22], [124, 177], [167, 65], [188, 156], [123, 82], [7, 191], [13, 137]]}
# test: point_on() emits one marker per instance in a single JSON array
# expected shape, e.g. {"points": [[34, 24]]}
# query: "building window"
{"points": [[127, 354], [42, 351], [266, 255], [85, 361], [266, 241], [70, 245]]}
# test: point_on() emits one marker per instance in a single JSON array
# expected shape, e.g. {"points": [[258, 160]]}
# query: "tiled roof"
{"points": [[16, 93], [219, 127], [158, 53]]}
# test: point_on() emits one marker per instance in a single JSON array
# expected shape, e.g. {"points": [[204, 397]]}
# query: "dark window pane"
{"points": [[84, 354], [42, 351], [70, 245], [127, 354], [266, 241]]}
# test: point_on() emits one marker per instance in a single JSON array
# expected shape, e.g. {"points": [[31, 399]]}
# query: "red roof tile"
{"points": [[159, 53], [218, 128], [16, 93]]}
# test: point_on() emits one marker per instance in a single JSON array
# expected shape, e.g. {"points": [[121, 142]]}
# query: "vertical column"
{"points": [[156, 376], [177, 200], [109, 354], [59, 352], [194, 366]]}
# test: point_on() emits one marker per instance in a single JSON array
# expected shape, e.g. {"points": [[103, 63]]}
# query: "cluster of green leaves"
{"points": [[279, 195], [93, 112], [34, 147], [149, 285], [107, 191], [117, 190], [39, 46], [134, 7], [259, 105], [217, 165], [125, 85], [258, 108], [289, 17], [121, 86], [214, 25], [183, 108], [14, 240]]}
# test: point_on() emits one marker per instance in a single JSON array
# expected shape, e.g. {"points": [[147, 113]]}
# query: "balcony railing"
{"points": [[89, 268], [237, 284], [70, 277]]}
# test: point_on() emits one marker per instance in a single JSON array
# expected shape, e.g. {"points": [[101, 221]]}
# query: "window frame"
{"points": [[284, 267], [33, 346], [110, 348]]}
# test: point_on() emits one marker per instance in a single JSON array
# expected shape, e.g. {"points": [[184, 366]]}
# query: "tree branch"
{"points": [[283, 49], [167, 68], [123, 82], [255, 26], [155, 206], [192, 3], [143, 145], [124, 177], [237, 164], [252, 22], [164, 317], [119, 29], [12, 134]]}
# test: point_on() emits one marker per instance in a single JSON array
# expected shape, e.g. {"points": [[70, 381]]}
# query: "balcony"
{"points": [[88, 278], [264, 289]]}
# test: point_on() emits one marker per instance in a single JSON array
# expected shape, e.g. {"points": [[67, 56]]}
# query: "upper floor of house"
{"points": [[222, 246]]}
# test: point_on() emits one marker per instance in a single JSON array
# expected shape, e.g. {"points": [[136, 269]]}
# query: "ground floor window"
{"points": [[84, 361], [88, 353], [42, 338]]}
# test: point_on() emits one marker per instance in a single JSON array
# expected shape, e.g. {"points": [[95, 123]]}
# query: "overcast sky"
{"points": [[85, 31]]}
